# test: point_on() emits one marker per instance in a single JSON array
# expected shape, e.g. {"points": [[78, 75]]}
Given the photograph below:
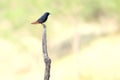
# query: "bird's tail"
{"points": [[36, 22]]}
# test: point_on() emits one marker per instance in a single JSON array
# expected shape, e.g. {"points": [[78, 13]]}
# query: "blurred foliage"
{"points": [[20, 12], [94, 8]]}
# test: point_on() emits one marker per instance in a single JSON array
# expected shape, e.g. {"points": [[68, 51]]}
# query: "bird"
{"points": [[42, 19]]}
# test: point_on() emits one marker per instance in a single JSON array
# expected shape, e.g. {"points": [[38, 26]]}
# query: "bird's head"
{"points": [[47, 13]]}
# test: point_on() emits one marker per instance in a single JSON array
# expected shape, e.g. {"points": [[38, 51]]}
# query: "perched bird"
{"points": [[42, 19]]}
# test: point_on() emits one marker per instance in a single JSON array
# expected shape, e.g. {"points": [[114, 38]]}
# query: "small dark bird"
{"points": [[42, 19]]}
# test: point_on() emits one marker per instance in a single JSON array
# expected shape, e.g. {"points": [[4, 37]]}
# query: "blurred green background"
{"points": [[82, 35]]}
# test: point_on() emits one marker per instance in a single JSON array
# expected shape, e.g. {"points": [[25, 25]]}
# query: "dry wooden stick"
{"points": [[47, 60]]}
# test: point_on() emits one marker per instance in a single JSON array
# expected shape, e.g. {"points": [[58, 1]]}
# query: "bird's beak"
{"points": [[36, 22]]}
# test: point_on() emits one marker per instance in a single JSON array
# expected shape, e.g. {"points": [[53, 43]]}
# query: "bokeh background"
{"points": [[82, 35]]}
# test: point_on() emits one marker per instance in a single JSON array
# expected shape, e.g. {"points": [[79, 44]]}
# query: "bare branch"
{"points": [[47, 60]]}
